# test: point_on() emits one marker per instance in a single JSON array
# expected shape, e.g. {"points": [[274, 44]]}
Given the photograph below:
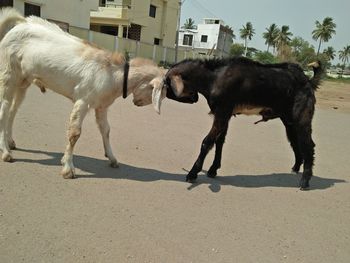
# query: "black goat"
{"points": [[242, 86]]}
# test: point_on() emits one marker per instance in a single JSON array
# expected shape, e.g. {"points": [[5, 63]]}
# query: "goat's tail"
{"points": [[318, 72], [9, 18]]}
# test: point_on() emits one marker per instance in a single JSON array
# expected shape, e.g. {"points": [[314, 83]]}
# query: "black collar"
{"points": [[125, 81]]}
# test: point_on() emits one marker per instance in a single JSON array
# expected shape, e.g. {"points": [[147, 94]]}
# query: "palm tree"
{"points": [[270, 35], [330, 53], [189, 24], [230, 30], [324, 31], [246, 33], [344, 55], [283, 38]]}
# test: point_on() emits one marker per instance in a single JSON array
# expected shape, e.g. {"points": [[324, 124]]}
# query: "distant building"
{"points": [[148, 21], [63, 12], [211, 37]]}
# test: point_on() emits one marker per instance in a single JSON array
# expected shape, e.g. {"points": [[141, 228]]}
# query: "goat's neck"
{"points": [[206, 83], [135, 78], [205, 91]]}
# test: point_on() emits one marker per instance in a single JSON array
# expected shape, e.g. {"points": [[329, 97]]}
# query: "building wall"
{"points": [[219, 40], [162, 26], [212, 31], [225, 41], [73, 12], [160, 54]]}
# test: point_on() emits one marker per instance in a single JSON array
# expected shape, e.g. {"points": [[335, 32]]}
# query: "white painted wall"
{"points": [[212, 31], [217, 39], [73, 12]]}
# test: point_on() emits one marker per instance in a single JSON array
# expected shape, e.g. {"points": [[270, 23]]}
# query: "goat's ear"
{"points": [[158, 93], [177, 85]]}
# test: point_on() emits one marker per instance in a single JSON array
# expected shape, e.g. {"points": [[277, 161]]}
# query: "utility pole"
{"points": [[178, 29]]}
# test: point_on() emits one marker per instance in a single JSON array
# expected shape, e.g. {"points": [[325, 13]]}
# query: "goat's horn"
{"points": [[314, 64]]}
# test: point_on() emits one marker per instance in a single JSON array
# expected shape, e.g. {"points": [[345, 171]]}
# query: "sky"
{"points": [[299, 15]]}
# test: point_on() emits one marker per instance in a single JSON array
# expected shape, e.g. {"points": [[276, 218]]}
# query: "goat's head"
{"points": [[178, 82], [153, 92]]}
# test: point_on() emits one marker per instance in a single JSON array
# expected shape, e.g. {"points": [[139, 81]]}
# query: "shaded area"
{"points": [[97, 168]]}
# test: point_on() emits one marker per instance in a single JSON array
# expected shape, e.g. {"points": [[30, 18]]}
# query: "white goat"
{"points": [[33, 50]]}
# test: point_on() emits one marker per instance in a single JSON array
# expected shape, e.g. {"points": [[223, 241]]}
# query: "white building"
{"points": [[64, 12], [211, 37]]}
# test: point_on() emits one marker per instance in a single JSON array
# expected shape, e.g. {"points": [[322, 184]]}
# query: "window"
{"points": [[204, 38], [110, 30], [132, 32], [157, 41], [30, 9], [152, 11], [4, 3], [187, 41]]}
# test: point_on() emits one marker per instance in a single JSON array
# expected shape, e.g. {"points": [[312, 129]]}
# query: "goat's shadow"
{"points": [[98, 168]]}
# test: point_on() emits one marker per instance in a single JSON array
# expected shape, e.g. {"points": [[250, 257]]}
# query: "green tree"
{"points": [[323, 31], [237, 50], [264, 57], [189, 24], [344, 55], [302, 51], [282, 41], [330, 53], [283, 37], [251, 51], [270, 36], [229, 29], [246, 33]]}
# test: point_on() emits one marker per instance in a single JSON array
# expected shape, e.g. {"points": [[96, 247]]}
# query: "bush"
{"points": [[164, 64], [264, 57], [237, 50]]}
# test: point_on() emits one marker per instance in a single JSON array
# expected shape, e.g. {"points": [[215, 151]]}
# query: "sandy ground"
{"points": [[145, 212], [334, 96]]}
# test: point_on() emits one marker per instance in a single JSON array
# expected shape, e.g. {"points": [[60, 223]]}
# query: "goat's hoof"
{"points": [[6, 157], [211, 174], [304, 184], [68, 174], [12, 145], [295, 169], [114, 164], [191, 178]]}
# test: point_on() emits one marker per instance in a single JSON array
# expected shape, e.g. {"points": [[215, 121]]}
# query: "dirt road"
{"points": [[145, 212]]}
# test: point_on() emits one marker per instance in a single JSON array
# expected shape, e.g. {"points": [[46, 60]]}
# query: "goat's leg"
{"points": [[4, 110], [76, 119], [18, 98], [102, 123], [7, 90], [219, 143], [219, 126], [293, 139], [306, 145]]}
